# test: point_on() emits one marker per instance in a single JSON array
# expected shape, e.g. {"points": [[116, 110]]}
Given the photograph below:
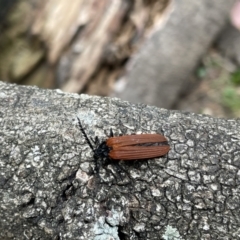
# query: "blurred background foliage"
{"points": [[86, 46]]}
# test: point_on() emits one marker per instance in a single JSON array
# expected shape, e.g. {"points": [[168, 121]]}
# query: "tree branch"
{"points": [[50, 191]]}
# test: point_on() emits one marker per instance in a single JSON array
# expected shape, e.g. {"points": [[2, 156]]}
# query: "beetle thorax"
{"points": [[102, 150]]}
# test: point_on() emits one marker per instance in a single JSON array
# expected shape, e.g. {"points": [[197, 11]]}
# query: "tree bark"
{"points": [[49, 189]]}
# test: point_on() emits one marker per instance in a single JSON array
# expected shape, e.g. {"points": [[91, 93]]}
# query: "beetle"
{"points": [[128, 147], [133, 147]]}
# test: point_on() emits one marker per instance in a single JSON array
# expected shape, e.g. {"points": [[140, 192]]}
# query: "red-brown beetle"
{"points": [[133, 147], [129, 147]]}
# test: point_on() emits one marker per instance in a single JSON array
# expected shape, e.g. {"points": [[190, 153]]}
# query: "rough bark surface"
{"points": [[160, 72], [48, 189]]}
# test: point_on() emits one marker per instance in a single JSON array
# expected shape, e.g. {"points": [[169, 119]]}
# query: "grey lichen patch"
{"points": [[171, 234], [107, 228], [49, 187]]}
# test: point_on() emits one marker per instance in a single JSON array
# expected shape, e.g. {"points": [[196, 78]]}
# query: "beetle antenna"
{"points": [[85, 135], [111, 132]]}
